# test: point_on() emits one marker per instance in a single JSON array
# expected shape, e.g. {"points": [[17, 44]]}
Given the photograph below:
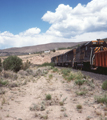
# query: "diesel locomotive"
{"points": [[90, 55]]}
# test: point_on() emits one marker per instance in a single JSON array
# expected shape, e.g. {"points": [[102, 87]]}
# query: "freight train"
{"points": [[90, 55]]}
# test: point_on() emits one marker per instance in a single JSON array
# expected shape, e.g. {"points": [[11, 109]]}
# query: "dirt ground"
{"points": [[41, 58], [43, 93]]}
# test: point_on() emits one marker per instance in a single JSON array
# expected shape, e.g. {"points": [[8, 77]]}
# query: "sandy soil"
{"points": [[28, 101]]}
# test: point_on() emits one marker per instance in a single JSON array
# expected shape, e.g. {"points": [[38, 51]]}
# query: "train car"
{"points": [[101, 59], [84, 56], [60, 60], [68, 58], [57, 60]]}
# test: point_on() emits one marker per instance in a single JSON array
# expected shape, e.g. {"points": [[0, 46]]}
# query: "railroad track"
{"points": [[91, 74]]}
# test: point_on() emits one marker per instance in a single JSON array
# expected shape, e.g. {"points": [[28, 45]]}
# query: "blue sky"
{"points": [[33, 22], [20, 15]]}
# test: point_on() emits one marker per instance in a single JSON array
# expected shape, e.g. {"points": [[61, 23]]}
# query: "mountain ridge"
{"points": [[37, 48]]}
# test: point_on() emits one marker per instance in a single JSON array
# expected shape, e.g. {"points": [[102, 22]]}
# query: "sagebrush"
{"points": [[12, 63], [104, 85]]}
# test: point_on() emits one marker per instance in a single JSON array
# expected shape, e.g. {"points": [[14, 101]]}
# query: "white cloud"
{"points": [[31, 31], [70, 21], [9, 40], [59, 15], [81, 23], [90, 36]]}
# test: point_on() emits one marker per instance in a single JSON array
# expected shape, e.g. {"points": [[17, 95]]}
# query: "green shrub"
{"points": [[66, 72], [34, 107], [70, 77], [104, 85], [0, 69], [79, 82], [12, 63], [79, 106], [81, 93], [79, 75], [3, 83], [55, 69], [90, 83], [47, 64], [50, 76], [61, 103], [48, 97], [101, 99], [54, 50], [0, 65]]}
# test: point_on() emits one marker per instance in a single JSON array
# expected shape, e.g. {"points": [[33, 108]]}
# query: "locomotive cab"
{"points": [[88, 50], [85, 54]]}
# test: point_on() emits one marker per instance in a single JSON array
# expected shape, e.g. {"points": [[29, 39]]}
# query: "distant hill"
{"points": [[37, 48]]}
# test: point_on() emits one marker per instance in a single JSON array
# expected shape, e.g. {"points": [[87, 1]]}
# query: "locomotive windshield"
{"points": [[99, 43]]}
